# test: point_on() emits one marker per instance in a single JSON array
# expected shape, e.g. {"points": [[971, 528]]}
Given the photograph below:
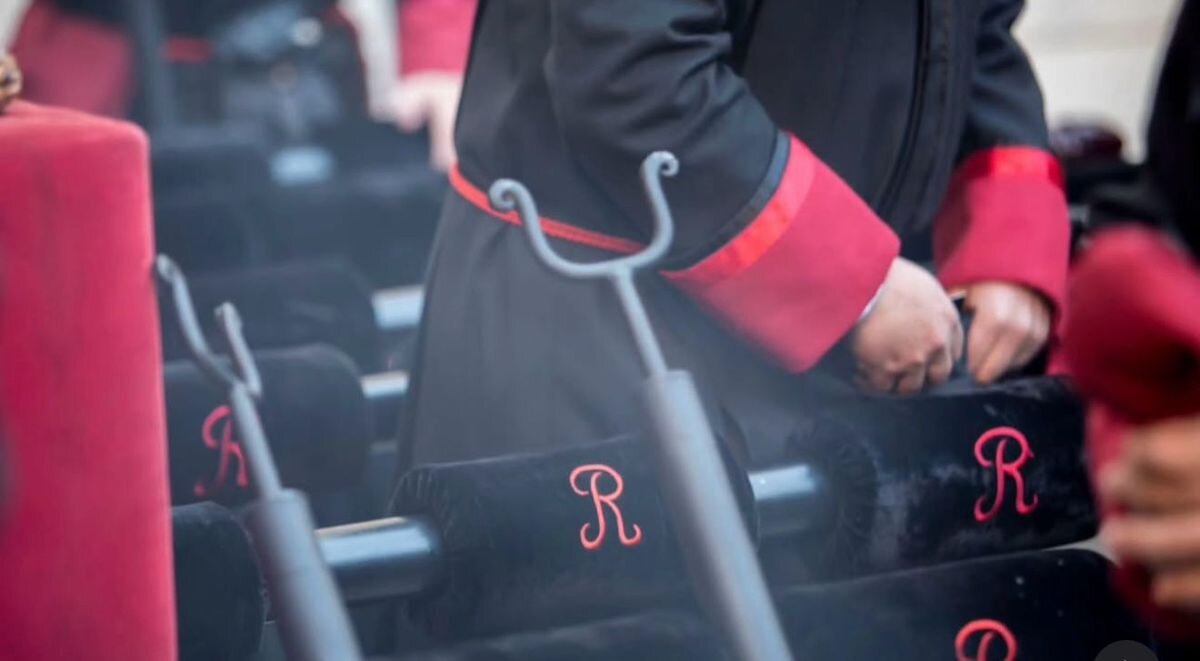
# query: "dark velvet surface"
{"points": [[323, 301], [212, 194], [902, 480], [648, 636], [910, 482], [1057, 606], [312, 410], [511, 531], [1043, 606], [220, 602]]}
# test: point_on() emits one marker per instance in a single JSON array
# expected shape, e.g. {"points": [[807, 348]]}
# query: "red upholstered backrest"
{"points": [[85, 548]]}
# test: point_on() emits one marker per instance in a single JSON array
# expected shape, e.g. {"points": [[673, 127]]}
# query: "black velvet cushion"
{"points": [[380, 214], [514, 535], [651, 636], [212, 195], [313, 412], [1042, 606], [909, 481], [918, 480], [325, 302], [219, 597]]}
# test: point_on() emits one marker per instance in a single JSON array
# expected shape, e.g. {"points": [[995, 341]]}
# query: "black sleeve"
{"points": [[1006, 197], [1005, 106], [628, 77], [768, 238]]}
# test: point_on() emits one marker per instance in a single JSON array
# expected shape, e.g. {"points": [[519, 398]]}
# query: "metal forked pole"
{"points": [[720, 555], [313, 622]]}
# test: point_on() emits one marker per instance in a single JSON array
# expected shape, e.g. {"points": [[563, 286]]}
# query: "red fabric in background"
{"points": [[85, 541], [73, 62], [1135, 325], [435, 35], [1133, 345]]}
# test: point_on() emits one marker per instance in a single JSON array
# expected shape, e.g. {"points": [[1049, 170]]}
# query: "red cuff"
{"points": [[797, 278], [435, 35], [1005, 218]]}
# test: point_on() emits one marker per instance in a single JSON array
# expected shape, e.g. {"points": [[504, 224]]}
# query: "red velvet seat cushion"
{"points": [[85, 548]]}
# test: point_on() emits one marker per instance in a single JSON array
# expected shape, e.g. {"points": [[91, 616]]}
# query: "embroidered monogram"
{"points": [[987, 632], [602, 501], [228, 448], [1006, 469]]}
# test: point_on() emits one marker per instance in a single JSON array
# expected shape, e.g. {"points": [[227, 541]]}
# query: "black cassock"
{"points": [[812, 136]]}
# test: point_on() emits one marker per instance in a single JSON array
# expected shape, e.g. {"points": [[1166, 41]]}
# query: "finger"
{"points": [[981, 339], [1177, 587], [1111, 484], [1121, 486], [999, 359], [1168, 451], [1010, 331], [1155, 540], [941, 366], [1035, 337], [957, 340], [876, 379], [911, 381]]}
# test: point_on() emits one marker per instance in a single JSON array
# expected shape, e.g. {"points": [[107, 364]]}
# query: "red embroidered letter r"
{"points": [[602, 501]]}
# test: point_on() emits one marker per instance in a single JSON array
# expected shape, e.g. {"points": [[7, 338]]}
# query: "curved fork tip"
{"points": [[503, 194], [165, 266], [664, 161]]}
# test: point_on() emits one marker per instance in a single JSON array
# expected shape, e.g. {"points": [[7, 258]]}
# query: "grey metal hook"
{"points": [[508, 195], [239, 351], [185, 312], [241, 386], [313, 623]]}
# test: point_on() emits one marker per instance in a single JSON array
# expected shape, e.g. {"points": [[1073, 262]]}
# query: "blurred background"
{"points": [[1098, 59]]}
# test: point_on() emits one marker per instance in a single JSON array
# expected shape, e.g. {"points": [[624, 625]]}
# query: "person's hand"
{"points": [[430, 99], [1156, 483], [1010, 326], [912, 337]]}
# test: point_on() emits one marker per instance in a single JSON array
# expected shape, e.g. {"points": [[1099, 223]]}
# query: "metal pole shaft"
{"points": [[639, 323], [254, 442], [721, 557], [312, 620]]}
